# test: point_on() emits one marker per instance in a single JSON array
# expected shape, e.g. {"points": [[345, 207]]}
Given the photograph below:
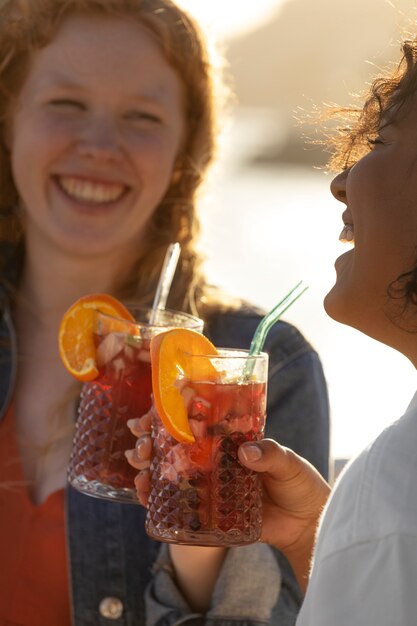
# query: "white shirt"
{"points": [[365, 564]]}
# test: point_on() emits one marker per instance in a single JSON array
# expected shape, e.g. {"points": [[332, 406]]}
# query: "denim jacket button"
{"points": [[112, 608]]}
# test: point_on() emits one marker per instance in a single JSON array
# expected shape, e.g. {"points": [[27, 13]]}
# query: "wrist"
{"points": [[196, 569], [300, 555]]}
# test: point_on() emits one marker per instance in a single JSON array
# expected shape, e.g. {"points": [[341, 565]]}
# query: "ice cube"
{"points": [[118, 366], [188, 394], [129, 353], [110, 347], [144, 355]]}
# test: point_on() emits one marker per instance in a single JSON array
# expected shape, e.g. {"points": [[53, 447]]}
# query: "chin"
{"points": [[338, 306]]}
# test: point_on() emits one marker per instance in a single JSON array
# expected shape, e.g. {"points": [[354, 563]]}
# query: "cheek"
{"points": [[155, 159], [35, 144]]}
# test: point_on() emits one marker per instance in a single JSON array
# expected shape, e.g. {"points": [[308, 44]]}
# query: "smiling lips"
{"points": [[91, 192]]}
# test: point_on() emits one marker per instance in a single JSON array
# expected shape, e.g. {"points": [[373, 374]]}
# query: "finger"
{"points": [[140, 425], [144, 448], [142, 486], [134, 460], [284, 473], [269, 456]]}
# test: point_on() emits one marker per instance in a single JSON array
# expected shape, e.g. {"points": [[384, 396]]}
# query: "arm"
{"points": [[196, 570], [240, 598]]}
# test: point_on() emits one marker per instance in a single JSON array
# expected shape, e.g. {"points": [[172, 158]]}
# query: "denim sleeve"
{"points": [[239, 597]]}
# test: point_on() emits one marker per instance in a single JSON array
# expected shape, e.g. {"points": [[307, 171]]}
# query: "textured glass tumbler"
{"points": [[200, 494], [121, 391]]}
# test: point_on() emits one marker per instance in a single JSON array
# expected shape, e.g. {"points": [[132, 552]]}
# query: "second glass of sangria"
{"points": [[121, 391]]}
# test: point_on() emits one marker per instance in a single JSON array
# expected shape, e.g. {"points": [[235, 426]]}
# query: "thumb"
{"points": [[266, 456]]}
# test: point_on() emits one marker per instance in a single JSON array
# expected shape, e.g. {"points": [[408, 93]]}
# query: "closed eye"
{"points": [[63, 103], [372, 142], [143, 116]]}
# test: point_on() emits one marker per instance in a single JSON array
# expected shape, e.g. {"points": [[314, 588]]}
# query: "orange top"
{"points": [[33, 560]]}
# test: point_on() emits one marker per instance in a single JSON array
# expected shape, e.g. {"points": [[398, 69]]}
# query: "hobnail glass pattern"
{"points": [[219, 507], [97, 458]]}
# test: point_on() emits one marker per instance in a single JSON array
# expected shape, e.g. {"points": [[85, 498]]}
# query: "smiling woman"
{"points": [[105, 144]]}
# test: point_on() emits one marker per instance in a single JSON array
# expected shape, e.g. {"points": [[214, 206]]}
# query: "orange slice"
{"points": [[171, 361], [76, 344]]}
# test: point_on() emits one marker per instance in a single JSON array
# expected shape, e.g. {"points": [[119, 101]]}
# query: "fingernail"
{"points": [[132, 423], [129, 454], [139, 446], [251, 452]]}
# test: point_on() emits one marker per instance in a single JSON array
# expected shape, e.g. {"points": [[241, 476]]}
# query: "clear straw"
{"points": [[165, 280], [265, 324]]}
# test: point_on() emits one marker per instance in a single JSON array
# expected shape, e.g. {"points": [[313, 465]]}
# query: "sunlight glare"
{"points": [[226, 18]]}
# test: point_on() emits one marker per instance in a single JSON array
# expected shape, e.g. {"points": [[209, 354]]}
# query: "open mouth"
{"points": [[347, 235], [91, 192]]}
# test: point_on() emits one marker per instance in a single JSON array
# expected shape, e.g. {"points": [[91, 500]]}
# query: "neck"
{"points": [[53, 280]]}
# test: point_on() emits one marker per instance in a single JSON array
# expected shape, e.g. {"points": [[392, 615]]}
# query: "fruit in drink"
{"points": [[170, 355], [200, 493], [75, 337]]}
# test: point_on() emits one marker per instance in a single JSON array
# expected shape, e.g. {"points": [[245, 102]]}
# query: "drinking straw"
{"points": [[165, 280], [266, 323]]}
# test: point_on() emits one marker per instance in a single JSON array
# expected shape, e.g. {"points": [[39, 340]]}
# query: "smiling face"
{"points": [[94, 137], [380, 194]]}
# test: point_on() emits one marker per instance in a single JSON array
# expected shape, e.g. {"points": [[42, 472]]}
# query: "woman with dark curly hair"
{"points": [[108, 123], [364, 568]]}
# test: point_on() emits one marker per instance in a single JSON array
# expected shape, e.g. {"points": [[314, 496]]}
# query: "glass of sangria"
{"points": [[200, 494], [121, 391]]}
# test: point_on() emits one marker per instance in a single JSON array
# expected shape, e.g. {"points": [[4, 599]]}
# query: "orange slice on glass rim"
{"points": [[171, 353], [75, 338]]}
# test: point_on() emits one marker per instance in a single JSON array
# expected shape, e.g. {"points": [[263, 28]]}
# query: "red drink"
{"points": [[200, 493], [121, 391]]}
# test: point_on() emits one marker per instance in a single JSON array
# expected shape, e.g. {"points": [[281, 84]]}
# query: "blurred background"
{"points": [[268, 217]]}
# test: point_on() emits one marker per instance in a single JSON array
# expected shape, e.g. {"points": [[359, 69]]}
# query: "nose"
{"points": [[100, 140], [338, 186]]}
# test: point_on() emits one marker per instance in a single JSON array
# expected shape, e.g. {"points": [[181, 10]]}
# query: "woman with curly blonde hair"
{"points": [[108, 113]]}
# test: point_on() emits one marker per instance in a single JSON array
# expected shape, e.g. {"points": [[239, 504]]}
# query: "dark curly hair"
{"points": [[387, 99]]}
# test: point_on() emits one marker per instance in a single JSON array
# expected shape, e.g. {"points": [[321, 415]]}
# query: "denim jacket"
{"points": [[120, 576]]}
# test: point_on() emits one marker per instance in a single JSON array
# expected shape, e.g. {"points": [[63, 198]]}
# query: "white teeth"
{"points": [[93, 193], [347, 234]]}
